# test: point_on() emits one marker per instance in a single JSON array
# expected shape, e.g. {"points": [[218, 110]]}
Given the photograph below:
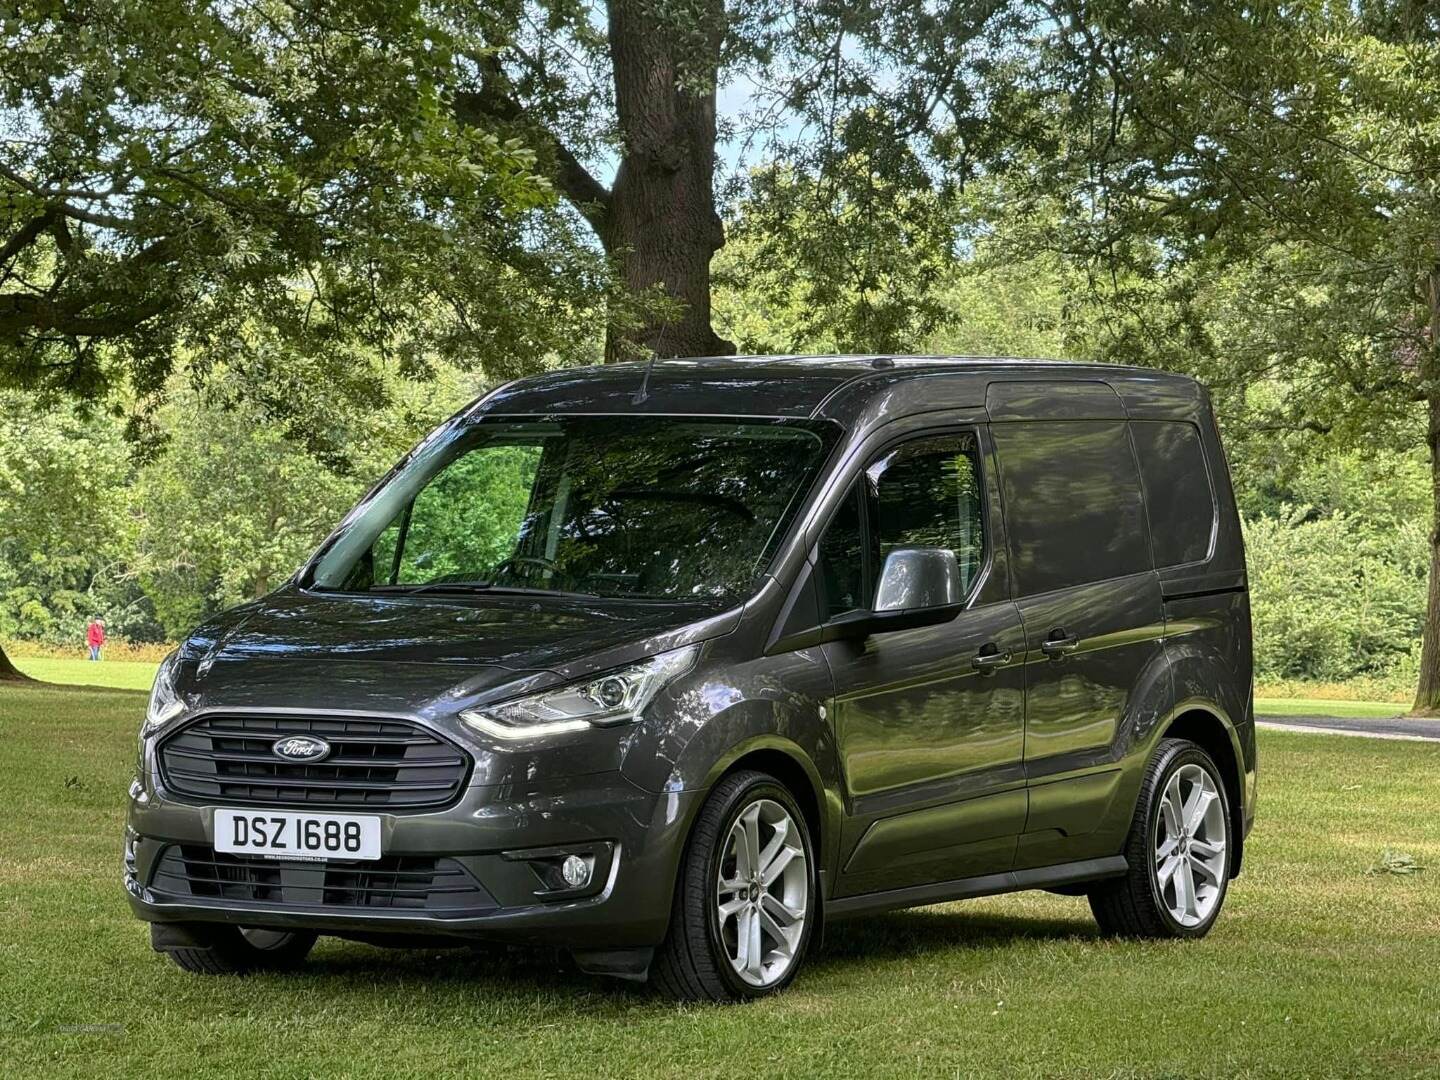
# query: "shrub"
{"points": [[1336, 598]]}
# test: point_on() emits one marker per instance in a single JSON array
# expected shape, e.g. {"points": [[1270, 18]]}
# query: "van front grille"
{"points": [[372, 763], [396, 882]]}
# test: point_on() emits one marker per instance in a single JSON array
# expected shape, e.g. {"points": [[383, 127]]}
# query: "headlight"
{"points": [[165, 703], [617, 697]]}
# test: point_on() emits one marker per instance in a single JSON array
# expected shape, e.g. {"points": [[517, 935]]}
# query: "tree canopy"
{"points": [[251, 183]]}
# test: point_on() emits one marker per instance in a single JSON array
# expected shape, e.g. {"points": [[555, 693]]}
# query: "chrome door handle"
{"points": [[987, 663], [1063, 645]]}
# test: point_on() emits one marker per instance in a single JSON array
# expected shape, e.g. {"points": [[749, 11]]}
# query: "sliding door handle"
{"points": [[1059, 644]]}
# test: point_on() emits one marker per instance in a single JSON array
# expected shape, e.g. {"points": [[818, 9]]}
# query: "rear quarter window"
{"points": [[1179, 495], [1072, 502]]}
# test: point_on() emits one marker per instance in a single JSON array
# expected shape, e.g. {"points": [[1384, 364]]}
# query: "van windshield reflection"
{"points": [[611, 507]]}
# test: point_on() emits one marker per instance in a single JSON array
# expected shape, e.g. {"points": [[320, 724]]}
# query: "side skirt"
{"points": [[1041, 877]]}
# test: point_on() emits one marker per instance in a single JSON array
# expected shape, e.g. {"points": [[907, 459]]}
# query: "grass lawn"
{"points": [[118, 674], [1326, 707], [1315, 968]]}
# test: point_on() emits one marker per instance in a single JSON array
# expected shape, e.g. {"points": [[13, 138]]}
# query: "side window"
{"points": [[923, 493], [1178, 494], [1072, 502], [926, 493]]}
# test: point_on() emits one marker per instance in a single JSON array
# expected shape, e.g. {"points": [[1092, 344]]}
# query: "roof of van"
{"points": [[805, 386]]}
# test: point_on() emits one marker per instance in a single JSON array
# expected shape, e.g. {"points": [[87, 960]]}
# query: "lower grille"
{"points": [[394, 883]]}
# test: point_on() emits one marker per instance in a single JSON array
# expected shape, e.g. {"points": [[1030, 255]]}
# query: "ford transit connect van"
{"points": [[672, 665]]}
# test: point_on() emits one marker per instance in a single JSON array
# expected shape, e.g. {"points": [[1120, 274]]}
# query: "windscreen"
{"points": [[613, 506]]}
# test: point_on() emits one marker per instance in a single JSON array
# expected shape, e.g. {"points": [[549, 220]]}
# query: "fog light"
{"points": [[575, 871]]}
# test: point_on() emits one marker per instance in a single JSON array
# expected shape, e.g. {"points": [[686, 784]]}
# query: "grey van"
{"points": [[670, 665]]}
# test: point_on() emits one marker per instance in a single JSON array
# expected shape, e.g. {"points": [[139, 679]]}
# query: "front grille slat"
{"points": [[267, 758], [435, 885], [373, 763], [329, 782]]}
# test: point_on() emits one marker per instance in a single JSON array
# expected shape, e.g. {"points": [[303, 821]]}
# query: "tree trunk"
{"points": [[1427, 694], [9, 672], [660, 226]]}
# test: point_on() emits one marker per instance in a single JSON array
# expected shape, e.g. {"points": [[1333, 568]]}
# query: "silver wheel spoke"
{"points": [[1185, 889], [777, 866], [754, 957], [1167, 870], [775, 845], [1207, 849], [777, 933], [751, 818], [1200, 801], [1211, 874], [1171, 809], [778, 909]]}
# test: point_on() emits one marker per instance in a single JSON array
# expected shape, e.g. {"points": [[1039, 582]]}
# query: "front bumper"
{"points": [[492, 834]]}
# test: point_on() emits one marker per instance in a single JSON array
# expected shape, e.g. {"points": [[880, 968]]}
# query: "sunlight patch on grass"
{"points": [[115, 674], [1326, 707]]}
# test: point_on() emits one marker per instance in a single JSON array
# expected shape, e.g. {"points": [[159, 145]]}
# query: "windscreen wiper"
{"points": [[480, 587], [432, 586]]}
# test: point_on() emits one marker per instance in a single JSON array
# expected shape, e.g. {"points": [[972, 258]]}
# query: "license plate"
{"points": [[282, 834]]}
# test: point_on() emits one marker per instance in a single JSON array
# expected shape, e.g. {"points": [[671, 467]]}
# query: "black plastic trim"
{"points": [[1042, 877]]}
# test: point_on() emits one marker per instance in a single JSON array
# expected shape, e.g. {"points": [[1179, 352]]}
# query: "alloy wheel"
{"points": [[1191, 860], [763, 892]]}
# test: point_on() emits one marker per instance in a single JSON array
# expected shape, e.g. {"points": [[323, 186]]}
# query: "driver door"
{"points": [[929, 721]]}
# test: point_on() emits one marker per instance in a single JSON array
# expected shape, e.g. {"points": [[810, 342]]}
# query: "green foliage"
{"points": [[1336, 597], [260, 186], [224, 511], [848, 262], [63, 480]]}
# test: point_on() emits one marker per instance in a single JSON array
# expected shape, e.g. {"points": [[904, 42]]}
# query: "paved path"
{"points": [[1392, 728]]}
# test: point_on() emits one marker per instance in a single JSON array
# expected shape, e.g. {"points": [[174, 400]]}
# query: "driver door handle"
{"points": [[1059, 644], [986, 662]]}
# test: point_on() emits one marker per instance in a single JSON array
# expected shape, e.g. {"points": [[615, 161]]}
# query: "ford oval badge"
{"points": [[300, 748]]}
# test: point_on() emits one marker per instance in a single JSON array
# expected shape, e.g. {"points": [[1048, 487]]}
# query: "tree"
{"points": [[847, 263], [895, 83], [232, 505], [1262, 177], [62, 501], [198, 181]]}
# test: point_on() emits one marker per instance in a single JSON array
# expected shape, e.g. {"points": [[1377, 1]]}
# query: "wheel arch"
{"points": [[786, 766]]}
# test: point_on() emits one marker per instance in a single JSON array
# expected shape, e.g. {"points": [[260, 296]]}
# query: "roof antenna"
{"points": [[643, 394]]}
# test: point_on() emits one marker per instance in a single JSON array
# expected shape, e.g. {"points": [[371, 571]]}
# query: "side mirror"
{"points": [[919, 577], [919, 586]]}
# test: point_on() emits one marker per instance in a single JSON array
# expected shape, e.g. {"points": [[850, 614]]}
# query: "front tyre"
{"points": [[746, 896], [215, 949], [1178, 851]]}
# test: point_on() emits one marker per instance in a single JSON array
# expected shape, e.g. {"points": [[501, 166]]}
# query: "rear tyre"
{"points": [[1178, 850], [231, 950], [746, 898]]}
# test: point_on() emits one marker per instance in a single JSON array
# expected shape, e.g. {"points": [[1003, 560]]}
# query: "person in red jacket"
{"points": [[95, 636]]}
